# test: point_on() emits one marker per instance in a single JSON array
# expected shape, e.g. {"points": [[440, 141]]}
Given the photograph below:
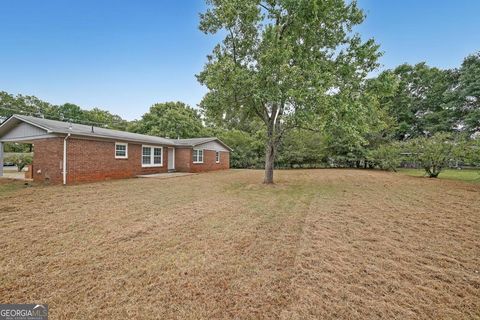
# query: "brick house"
{"points": [[71, 153]]}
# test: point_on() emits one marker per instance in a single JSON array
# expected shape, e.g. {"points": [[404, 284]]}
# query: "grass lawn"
{"points": [[321, 244], [9, 185], [467, 175]]}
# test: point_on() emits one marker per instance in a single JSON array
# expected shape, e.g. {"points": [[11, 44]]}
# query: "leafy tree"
{"points": [[170, 119], [30, 105], [69, 111], [284, 62], [433, 153], [98, 117], [302, 147], [248, 150], [17, 147], [349, 145], [20, 160], [418, 104], [465, 98], [387, 157], [472, 152]]}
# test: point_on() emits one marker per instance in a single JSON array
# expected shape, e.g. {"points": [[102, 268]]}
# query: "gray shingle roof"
{"points": [[55, 126], [197, 141], [194, 141], [60, 127]]}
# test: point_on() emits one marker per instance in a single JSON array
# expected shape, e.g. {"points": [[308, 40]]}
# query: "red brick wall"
{"points": [[47, 160], [225, 160], [91, 160], [88, 160], [209, 163], [183, 159]]}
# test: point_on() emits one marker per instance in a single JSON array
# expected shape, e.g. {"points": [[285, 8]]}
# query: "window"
{"points": [[146, 155], [152, 156], [121, 150], [217, 156], [157, 155], [197, 156]]}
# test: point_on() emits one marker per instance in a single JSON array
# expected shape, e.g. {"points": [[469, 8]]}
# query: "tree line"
{"points": [[412, 109], [295, 76], [412, 105]]}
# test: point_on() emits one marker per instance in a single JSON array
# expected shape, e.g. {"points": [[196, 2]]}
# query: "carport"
{"points": [[19, 131]]}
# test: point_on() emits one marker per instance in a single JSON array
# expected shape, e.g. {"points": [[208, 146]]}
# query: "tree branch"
{"points": [[233, 46], [307, 128], [269, 10]]}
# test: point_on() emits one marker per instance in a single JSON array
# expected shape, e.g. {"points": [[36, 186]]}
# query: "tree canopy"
{"points": [[465, 98], [31, 105], [284, 62], [170, 119], [355, 123]]}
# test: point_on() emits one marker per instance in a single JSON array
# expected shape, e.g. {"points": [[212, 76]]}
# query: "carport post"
{"points": [[1, 159]]}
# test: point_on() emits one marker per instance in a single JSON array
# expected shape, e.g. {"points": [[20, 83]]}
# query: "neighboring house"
{"points": [[68, 153]]}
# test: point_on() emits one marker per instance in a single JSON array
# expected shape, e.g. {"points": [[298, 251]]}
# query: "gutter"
{"points": [[65, 159], [126, 139]]}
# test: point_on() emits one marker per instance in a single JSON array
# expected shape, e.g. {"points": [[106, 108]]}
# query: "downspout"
{"points": [[65, 159]]}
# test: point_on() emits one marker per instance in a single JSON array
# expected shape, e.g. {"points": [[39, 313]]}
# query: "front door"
{"points": [[171, 158]]}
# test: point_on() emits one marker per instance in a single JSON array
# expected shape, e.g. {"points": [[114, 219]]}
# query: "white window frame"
{"points": [[126, 150], [203, 155], [217, 156], [152, 157]]}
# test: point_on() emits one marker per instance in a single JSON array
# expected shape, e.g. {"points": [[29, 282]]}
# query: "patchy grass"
{"points": [[467, 175], [9, 185], [321, 244]]}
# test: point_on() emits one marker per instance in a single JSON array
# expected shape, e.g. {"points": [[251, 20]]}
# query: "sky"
{"points": [[123, 56]]}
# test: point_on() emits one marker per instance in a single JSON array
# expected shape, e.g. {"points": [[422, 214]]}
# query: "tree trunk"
{"points": [[433, 171], [269, 160], [274, 134]]}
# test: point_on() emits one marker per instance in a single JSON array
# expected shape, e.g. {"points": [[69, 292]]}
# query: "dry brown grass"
{"points": [[321, 244]]}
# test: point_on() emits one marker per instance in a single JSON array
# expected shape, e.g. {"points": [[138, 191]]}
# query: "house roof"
{"points": [[60, 127], [193, 142]]}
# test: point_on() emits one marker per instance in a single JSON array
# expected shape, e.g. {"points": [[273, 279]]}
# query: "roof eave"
{"points": [[116, 138], [19, 117], [213, 139]]}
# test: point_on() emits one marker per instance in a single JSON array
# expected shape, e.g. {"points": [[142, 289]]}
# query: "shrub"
{"points": [[20, 160], [433, 153], [473, 152], [387, 157]]}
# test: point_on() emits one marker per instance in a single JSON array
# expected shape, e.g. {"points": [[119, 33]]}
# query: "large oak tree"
{"points": [[289, 63], [170, 119]]}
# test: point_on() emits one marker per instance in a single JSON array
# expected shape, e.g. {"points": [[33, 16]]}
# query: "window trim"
{"points": [[152, 156], [126, 150], [217, 156], [203, 155]]}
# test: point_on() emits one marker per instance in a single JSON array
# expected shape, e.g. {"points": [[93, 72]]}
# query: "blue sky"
{"points": [[123, 56]]}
